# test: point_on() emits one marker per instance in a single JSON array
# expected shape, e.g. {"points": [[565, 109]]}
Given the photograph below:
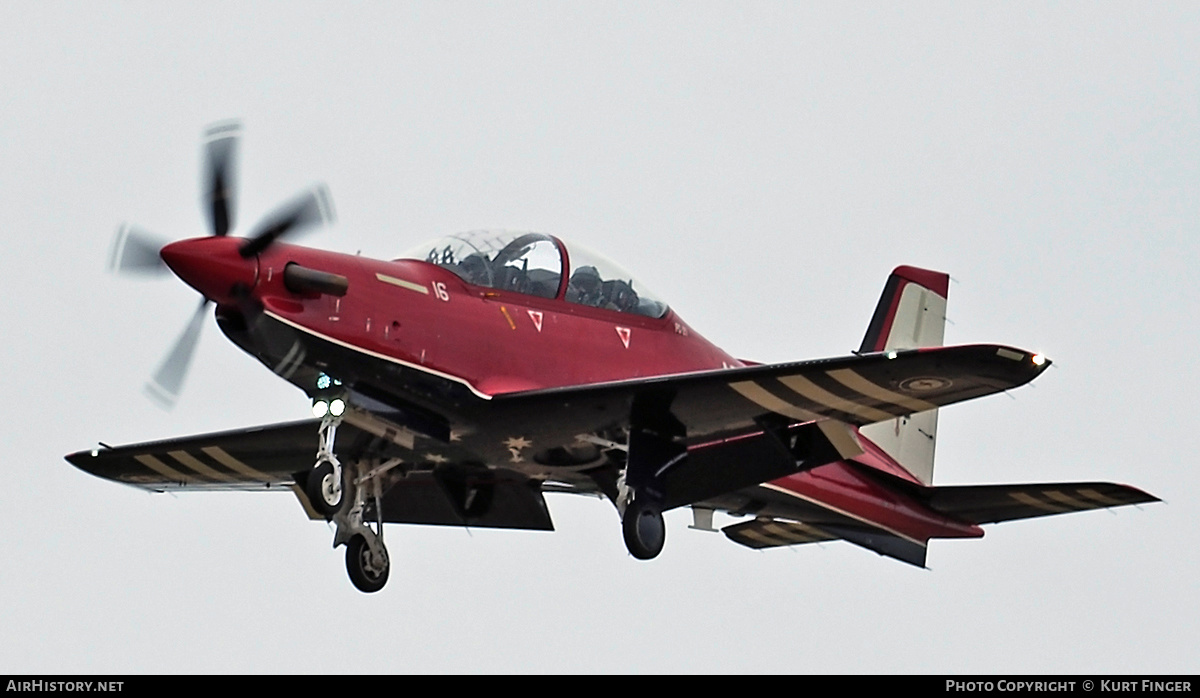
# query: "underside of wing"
{"points": [[982, 504], [245, 459], [856, 390], [743, 426], [423, 481]]}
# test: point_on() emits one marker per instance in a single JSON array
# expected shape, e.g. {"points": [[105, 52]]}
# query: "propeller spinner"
{"points": [[222, 269]]}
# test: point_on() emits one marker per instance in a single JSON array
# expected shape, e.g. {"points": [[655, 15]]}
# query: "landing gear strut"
{"points": [[367, 559], [325, 487], [341, 495], [655, 447]]}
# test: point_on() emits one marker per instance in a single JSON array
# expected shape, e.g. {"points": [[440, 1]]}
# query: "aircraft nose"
{"points": [[212, 266]]}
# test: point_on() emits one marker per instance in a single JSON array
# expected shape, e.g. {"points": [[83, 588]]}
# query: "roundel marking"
{"points": [[925, 384]]}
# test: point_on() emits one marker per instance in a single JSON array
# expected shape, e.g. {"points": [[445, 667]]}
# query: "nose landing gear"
{"points": [[341, 495]]}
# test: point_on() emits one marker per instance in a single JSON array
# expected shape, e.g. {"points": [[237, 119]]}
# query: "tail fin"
{"points": [[911, 313]]}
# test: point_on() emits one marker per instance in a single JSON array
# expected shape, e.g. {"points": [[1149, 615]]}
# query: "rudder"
{"points": [[910, 314]]}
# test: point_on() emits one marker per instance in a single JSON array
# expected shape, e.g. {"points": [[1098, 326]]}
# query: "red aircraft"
{"points": [[458, 384]]}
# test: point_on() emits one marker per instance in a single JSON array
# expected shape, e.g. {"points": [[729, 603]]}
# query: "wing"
{"points": [[426, 482], [259, 458], [744, 426], [857, 390]]}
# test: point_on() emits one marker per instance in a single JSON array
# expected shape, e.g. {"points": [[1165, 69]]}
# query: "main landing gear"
{"points": [[341, 495], [644, 528], [655, 447], [326, 487]]}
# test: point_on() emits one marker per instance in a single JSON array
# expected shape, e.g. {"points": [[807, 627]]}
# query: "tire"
{"points": [[644, 529], [366, 575], [319, 489]]}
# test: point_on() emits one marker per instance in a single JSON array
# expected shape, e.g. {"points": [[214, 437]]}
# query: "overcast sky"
{"points": [[762, 166]]}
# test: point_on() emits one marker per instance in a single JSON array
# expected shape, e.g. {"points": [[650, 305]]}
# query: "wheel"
{"points": [[324, 490], [644, 529], [368, 572]]}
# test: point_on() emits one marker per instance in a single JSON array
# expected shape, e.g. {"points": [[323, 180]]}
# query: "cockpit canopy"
{"points": [[535, 264]]}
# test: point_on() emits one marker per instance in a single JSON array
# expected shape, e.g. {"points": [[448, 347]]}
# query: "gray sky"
{"points": [[760, 165]]}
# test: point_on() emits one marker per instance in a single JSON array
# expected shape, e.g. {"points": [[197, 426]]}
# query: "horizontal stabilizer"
{"points": [[770, 533], [981, 504], [773, 533], [884, 543]]}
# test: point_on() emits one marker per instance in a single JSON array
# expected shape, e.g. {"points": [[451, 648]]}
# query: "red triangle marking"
{"points": [[536, 316], [623, 333]]}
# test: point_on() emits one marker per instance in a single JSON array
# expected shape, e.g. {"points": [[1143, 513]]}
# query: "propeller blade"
{"points": [[167, 382], [313, 207], [135, 251], [219, 183]]}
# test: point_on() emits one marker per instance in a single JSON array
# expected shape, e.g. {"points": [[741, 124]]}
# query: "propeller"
{"points": [[164, 387], [136, 252]]}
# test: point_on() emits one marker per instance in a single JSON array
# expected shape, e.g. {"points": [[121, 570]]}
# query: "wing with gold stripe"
{"points": [[258, 458], [982, 504], [857, 390]]}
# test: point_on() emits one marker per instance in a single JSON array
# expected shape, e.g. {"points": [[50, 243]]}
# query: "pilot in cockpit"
{"points": [[585, 287], [476, 269]]}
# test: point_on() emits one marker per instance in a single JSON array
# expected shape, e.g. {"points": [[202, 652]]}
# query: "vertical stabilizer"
{"points": [[911, 314]]}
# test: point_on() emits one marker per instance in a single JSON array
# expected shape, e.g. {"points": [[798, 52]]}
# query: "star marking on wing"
{"points": [[517, 442], [514, 444]]}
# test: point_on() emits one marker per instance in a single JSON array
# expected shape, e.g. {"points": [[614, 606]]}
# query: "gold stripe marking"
{"points": [[817, 394], [852, 380], [841, 437], [1036, 503], [760, 396], [1097, 497], [219, 455], [1069, 500], [163, 469], [188, 460], [794, 532], [402, 283]]}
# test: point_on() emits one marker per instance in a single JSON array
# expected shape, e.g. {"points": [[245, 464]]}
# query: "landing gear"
{"points": [[655, 447], [368, 568], [341, 494], [644, 529], [367, 559], [324, 487]]}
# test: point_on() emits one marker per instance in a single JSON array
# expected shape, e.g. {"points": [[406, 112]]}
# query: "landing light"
{"points": [[337, 407], [1038, 360], [323, 381], [320, 408]]}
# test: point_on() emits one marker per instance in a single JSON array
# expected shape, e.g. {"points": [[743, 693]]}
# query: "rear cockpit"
{"points": [[537, 264]]}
